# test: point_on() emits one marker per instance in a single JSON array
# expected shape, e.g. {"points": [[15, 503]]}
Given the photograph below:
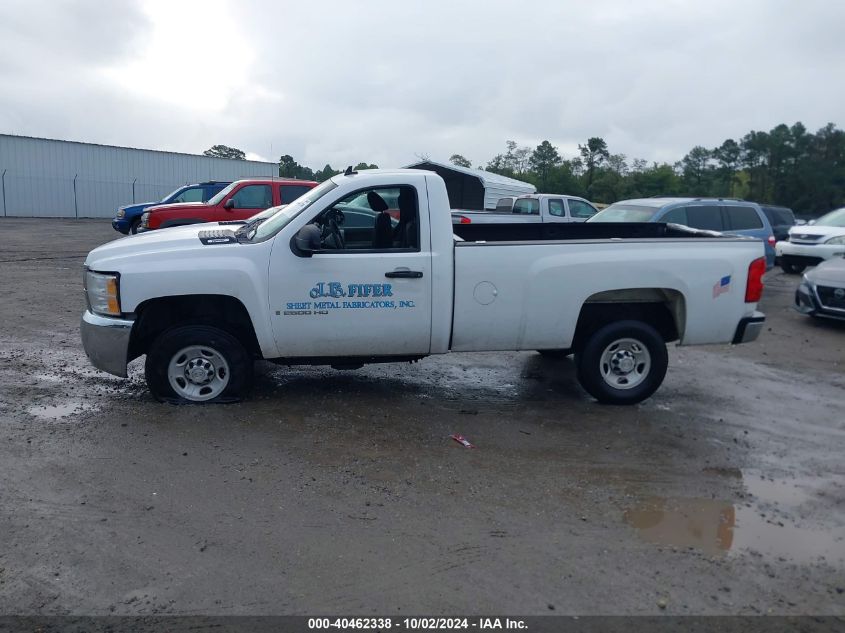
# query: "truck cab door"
{"points": [[363, 294]]}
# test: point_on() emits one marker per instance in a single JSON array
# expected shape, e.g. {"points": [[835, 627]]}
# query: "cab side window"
{"points": [[556, 208], [706, 217], [743, 218], [580, 209], [194, 194], [676, 216], [378, 218], [289, 193], [253, 197]]}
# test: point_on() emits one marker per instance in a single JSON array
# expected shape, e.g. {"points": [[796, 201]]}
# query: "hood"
{"points": [[176, 207], [134, 208], [816, 229], [109, 256], [831, 271]]}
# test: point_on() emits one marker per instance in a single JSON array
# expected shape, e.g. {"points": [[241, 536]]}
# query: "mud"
{"points": [[342, 492]]}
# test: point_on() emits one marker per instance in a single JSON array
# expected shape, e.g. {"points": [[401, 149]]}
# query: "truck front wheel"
{"points": [[197, 363], [622, 363]]}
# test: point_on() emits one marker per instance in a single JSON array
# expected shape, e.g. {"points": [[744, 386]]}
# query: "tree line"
{"points": [[787, 166]]}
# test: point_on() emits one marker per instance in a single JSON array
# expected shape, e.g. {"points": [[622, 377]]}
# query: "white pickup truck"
{"points": [[334, 278], [530, 208]]}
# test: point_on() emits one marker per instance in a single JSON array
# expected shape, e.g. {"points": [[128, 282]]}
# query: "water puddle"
{"points": [[770, 523], [54, 412]]}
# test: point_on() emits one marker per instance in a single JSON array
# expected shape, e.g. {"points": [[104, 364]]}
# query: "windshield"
{"points": [[834, 218], [217, 199], [172, 194], [275, 223], [625, 213]]}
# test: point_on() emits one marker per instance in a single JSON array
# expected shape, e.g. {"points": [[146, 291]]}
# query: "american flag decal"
{"points": [[722, 287]]}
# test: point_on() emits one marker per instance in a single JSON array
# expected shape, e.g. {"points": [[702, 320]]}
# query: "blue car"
{"points": [[725, 215], [128, 218]]}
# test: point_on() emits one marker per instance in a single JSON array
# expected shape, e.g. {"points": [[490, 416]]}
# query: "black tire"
{"points": [[133, 227], [792, 269], [591, 368], [215, 344], [555, 353]]}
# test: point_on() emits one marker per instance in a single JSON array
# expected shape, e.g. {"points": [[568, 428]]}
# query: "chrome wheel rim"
{"points": [[198, 373], [625, 363]]}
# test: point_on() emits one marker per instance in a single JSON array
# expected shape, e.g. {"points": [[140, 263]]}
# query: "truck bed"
{"points": [[575, 231]]}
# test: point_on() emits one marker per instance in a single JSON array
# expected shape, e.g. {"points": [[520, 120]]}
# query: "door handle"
{"points": [[404, 274]]}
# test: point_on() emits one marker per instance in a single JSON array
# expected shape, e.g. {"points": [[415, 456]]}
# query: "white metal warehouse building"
{"points": [[42, 177]]}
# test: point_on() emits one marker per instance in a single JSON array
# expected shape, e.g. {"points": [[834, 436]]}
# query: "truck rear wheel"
{"points": [[197, 363], [622, 363]]}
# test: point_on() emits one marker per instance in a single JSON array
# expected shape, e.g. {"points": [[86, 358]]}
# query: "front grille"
{"points": [[804, 238], [829, 299]]}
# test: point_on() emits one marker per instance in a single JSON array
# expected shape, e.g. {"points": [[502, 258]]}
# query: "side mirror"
{"points": [[306, 240], [230, 204]]}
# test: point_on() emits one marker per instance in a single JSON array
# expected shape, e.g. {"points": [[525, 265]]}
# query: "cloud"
{"points": [[379, 81]]}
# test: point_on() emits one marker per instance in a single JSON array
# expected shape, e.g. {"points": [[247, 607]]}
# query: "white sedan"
{"points": [[810, 245]]}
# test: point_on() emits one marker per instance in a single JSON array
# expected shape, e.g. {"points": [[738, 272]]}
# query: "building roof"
{"points": [[487, 177]]}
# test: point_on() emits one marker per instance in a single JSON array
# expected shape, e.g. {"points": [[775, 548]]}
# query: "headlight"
{"points": [[837, 241], [121, 213], [145, 219], [102, 292]]}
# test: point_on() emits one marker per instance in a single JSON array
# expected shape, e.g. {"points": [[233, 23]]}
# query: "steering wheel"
{"points": [[331, 227]]}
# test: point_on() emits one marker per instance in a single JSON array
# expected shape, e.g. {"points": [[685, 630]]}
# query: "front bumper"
{"points": [[106, 342], [122, 225], [749, 328], [807, 254], [807, 301]]}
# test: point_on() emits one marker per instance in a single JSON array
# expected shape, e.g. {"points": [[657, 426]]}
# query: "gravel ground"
{"points": [[341, 492]]}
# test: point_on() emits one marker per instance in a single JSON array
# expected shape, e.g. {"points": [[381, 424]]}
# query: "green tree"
{"points": [[697, 171], [224, 151], [543, 159], [365, 166], [459, 160], [593, 154]]}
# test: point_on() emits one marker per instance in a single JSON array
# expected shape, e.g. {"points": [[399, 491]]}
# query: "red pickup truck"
{"points": [[239, 201]]}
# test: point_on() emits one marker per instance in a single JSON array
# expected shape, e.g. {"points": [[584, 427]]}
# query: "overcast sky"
{"points": [[382, 80]]}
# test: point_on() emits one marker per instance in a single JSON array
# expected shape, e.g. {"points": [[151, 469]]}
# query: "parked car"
{"points": [[813, 243], [203, 302], [822, 290], [239, 201], [781, 218], [536, 207], [725, 215], [128, 218]]}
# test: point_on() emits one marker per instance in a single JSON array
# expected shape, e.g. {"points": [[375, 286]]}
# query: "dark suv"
{"points": [[781, 219]]}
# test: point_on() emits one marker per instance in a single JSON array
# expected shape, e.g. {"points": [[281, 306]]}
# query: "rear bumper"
{"points": [[106, 342], [749, 328]]}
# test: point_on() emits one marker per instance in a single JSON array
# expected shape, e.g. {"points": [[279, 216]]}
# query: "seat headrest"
{"points": [[376, 202]]}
